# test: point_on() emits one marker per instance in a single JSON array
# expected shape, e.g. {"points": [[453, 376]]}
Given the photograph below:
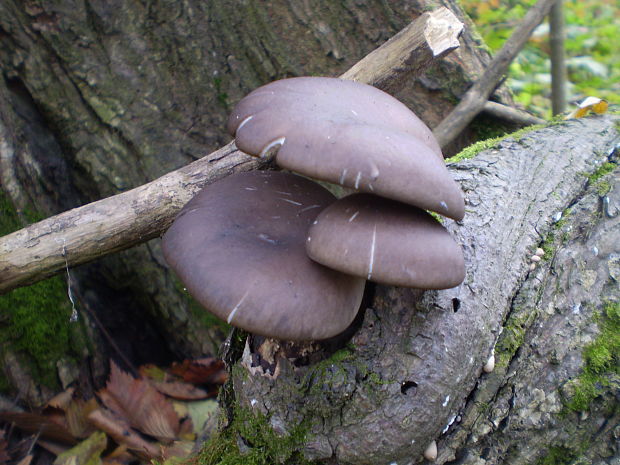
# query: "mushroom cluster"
{"points": [[276, 254]]}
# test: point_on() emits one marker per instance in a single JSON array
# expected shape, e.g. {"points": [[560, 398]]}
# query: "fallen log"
{"points": [[489, 370]]}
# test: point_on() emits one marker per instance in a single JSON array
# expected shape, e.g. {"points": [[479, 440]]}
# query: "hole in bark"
{"points": [[409, 387], [456, 304]]}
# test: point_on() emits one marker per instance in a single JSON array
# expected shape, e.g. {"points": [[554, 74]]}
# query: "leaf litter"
{"points": [[156, 416]]}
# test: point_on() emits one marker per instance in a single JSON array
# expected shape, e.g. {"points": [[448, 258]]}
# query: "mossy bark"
{"points": [[101, 96], [412, 372]]}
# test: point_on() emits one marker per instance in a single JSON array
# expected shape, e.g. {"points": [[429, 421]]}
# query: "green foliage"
{"points": [[602, 186], [34, 320], [601, 361], [260, 443], [591, 47]]}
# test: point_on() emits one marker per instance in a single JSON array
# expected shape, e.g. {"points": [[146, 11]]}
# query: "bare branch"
{"points": [[122, 221], [511, 114], [475, 98]]}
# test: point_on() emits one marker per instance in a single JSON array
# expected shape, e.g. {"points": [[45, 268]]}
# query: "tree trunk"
{"points": [[412, 373], [98, 97]]}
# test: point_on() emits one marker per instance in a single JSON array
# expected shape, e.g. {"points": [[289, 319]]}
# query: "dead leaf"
{"points": [[178, 450], [62, 399], [203, 413], [153, 372], [26, 460], [77, 416], [87, 452], [119, 456], [180, 390], [208, 370], [53, 447], [120, 431], [590, 104], [144, 408], [35, 423]]}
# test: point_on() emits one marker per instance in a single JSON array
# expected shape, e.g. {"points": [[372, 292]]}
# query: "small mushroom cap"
{"points": [[350, 134], [387, 242], [239, 248], [430, 453]]}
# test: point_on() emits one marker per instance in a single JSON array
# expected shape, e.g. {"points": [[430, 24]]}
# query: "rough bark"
{"points": [[415, 364], [101, 96]]}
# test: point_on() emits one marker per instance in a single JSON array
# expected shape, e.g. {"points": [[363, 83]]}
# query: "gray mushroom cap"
{"points": [[350, 134], [239, 248], [387, 242]]}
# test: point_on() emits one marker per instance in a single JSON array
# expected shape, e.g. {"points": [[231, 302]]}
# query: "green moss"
{"points": [[601, 171], [601, 369], [437, 216], [551, 240], [558, 456], [34, 320], [474, 149], [261, 444], [595, 179], [603, 188], [326, 374], [513, 335]]}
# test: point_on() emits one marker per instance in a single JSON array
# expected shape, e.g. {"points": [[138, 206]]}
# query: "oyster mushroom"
{"points": [[387, 242], [239, 248], [347, 133]]}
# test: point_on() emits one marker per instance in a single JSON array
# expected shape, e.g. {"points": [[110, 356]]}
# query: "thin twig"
{"points": [[511, 115]]}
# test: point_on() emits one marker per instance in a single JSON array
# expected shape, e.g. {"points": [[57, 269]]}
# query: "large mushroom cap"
{"points": [[239, 248], [387, 242], [350, 134]]}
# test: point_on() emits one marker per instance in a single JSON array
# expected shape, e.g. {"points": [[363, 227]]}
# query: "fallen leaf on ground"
{"points": [[87, 452], [144, 407], [208, 370], [180, 390], [590, 104], [35, 423]]}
